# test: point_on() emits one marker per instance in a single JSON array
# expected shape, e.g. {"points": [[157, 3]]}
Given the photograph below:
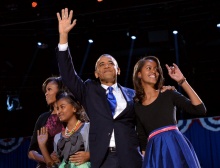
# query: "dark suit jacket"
{"points": [[93, 97]]}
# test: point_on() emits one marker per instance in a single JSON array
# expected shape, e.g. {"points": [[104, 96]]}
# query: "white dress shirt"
{"points": [[121, 105], [63, 47]]}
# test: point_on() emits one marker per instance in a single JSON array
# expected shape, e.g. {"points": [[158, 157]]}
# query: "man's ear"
{"points": [[96, 74], [119, 71]]}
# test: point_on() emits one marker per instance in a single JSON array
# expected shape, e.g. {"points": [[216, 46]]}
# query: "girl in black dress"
{"points": [[163, 145]]}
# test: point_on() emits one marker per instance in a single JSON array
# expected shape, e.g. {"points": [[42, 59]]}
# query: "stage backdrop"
{"points": [[204, 134]]}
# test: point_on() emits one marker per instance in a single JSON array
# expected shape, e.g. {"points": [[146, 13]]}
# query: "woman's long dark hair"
{"points": [[140, 94]]}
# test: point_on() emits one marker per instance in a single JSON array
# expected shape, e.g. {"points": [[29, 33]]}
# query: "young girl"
{"points": [[71, 145], [157, 127]]}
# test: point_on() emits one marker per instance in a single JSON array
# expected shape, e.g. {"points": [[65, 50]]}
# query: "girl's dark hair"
{"points": [[140, 94], [80, 112]]}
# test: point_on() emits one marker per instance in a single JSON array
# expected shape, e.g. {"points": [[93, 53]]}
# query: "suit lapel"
{"points": [[128, 95]]}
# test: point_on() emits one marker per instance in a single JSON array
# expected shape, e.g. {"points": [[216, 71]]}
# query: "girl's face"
{"points": [[65, 110], [51, 91], [149, 72]]}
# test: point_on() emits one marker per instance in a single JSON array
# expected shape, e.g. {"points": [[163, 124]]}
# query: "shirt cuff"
{"points": [[63, 47]]}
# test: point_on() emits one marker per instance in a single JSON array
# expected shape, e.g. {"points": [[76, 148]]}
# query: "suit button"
{"points": [[109, 134]]}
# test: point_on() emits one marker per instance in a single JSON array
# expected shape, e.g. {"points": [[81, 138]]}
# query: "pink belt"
{"points": [[162, 130]]}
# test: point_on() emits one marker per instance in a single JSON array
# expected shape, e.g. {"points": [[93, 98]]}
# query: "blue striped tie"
{"points": [[111, 100]]}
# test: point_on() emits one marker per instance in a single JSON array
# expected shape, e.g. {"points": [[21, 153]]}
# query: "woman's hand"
{"points": [[55, 157], [42, 136], [80, 157]]}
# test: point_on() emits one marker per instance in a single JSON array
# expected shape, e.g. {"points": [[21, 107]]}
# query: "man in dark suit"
{"points": [[113, 140]]}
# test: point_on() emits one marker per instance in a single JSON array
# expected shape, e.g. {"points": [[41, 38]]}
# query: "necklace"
{"points": [[68, 132]]}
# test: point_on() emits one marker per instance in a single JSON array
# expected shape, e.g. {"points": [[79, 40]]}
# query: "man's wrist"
{"points": [[63, 47]]}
